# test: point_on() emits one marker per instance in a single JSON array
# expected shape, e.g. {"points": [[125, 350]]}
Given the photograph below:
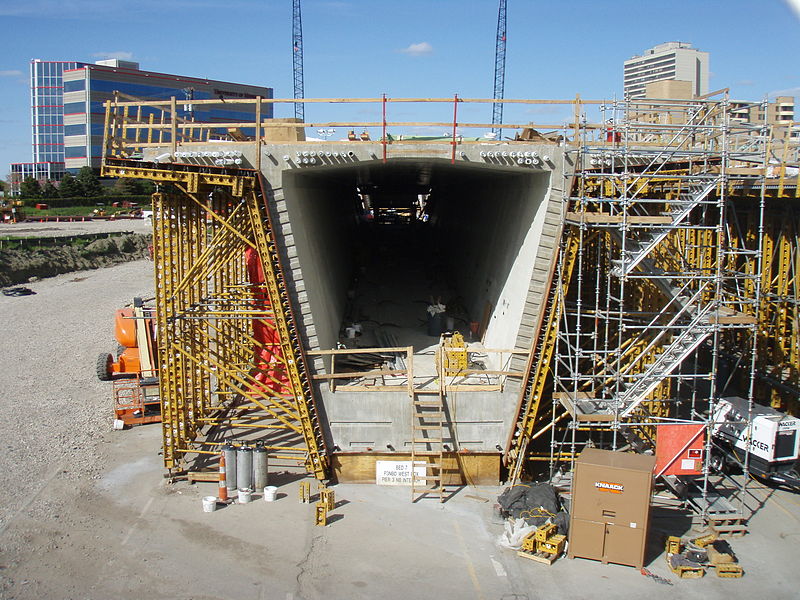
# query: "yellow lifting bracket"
{"points": [[304, 492], [454, 354], [328, 496]]}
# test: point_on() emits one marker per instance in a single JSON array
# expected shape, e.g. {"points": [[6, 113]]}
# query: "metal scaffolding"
{"points": [[656, 287]]}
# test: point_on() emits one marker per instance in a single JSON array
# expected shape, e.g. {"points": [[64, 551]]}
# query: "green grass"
{"points": [[29, 242], [76, 211]]}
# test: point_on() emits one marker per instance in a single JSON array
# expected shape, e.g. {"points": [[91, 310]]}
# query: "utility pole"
{"points": [[499, 69], [297, 59]]}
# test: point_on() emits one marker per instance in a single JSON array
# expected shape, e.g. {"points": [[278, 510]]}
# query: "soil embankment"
{"points": [[20, 265]]}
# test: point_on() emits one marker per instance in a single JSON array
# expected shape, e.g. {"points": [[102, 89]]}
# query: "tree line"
{"points": [[85, 184]]}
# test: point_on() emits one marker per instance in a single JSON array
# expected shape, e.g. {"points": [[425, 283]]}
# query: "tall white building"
{"points": [[671, 60]]}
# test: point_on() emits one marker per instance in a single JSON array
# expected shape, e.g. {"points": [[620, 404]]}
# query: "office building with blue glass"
{"points": [[47, 122], [68, 113], [88, 87]]}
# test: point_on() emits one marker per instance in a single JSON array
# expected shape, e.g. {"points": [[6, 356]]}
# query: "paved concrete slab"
{"points": [[130, 534]]}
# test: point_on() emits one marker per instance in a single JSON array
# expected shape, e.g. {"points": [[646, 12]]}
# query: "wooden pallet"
{"points": [[542, 557]]}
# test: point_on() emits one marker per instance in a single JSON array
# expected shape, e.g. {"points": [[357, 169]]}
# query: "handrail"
{"points": [[408, 372], [133, 125]]}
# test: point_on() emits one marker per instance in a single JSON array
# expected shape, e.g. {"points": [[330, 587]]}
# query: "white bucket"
{"points": [[270, 492], [245, 495], [209, 503]]}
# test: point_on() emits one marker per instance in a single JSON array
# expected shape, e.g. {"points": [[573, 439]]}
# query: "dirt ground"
{"points": [[87, 513]]}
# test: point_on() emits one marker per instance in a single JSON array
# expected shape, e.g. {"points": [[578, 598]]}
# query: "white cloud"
{"points": [[795, 6], [10, 73], [120, 54], [419, 49], [795, 91]]}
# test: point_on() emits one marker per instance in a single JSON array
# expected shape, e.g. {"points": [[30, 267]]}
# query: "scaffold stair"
{"points": [[688, 339], [636, 249]]}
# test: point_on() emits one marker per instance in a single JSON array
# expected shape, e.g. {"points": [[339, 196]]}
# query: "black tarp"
{"points": [[536, 503]]}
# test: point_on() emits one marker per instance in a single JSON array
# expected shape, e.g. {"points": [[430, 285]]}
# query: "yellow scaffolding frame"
{"points": [[218, 377]]}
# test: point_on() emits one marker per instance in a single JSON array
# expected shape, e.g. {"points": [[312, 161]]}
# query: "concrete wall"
{"points": [[322, 223], [491, 231], [362, 421]]}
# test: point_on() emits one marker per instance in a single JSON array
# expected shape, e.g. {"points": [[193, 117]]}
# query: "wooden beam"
{"points": [[355, 375]]}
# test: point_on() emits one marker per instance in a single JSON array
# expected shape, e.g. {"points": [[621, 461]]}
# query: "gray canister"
{"points": [[259, 468], [244, 468], [230, 465]]}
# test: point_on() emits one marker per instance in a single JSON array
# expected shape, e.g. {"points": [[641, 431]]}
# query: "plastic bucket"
{"points": [[245, 495], [270, 492], [209, 503], [435, 324]]}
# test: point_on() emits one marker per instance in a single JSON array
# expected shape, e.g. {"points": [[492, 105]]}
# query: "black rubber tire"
{"points": [[104, 362]]}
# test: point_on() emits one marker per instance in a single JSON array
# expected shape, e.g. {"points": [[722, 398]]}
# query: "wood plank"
{"points": [[473, 388], [597, 417], [203, 476], [402, 350], [598, 218], [372, 388], [470, 468], [737, 319], [370, 374]]}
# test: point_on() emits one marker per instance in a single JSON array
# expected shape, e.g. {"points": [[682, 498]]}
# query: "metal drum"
{"points": [[229, 450], [244, 468], [259, 467]]}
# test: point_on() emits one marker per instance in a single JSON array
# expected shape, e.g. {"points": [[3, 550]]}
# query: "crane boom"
{"points": [[297, 59], [499, 68]]}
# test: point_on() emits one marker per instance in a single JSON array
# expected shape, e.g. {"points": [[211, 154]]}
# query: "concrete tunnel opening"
{"points": [[380, 243], [371, 245]]}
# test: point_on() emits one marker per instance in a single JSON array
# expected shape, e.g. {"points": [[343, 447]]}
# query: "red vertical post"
{"points": [[455, 125], [384, 128]]}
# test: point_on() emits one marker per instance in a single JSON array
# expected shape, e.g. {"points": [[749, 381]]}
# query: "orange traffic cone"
{"points": [[223, 484]]}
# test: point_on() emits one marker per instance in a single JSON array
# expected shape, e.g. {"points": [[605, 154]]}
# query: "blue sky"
{"points": [[404, 48]]}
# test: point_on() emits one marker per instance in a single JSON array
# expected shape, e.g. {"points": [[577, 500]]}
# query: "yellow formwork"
{"points": [[219, 378]]}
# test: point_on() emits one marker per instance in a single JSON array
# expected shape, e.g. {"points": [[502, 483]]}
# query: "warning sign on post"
{"points": [[390, 472]]}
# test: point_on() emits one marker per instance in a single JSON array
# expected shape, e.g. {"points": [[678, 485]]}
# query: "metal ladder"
{"points": [[428, 424]]}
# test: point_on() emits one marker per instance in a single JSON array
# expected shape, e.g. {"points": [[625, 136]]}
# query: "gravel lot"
{"points": [[74, 227], [54, 411]]}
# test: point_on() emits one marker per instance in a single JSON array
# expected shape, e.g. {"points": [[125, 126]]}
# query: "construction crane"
{"points": [[499, 69], [297, 59]]}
